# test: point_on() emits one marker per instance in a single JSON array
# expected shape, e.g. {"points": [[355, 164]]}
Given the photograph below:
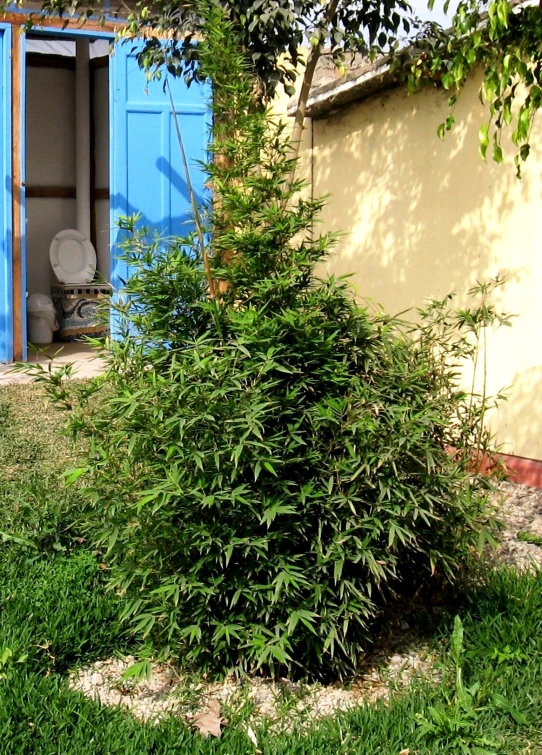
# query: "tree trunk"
{"points": [[308, 76]]}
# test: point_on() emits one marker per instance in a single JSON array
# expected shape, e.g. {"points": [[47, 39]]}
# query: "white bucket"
{"points": [[41, 318]]}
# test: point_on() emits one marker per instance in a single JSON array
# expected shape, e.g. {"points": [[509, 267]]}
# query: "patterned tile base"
{"points": [[81, 310]]}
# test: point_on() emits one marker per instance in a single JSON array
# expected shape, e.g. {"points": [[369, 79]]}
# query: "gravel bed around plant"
{"points": [[394, 664], [281, 702], [520, 509]]}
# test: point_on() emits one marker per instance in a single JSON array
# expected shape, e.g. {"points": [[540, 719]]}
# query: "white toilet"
{"points": [[76, 297], [72, 308], [73, 258]]}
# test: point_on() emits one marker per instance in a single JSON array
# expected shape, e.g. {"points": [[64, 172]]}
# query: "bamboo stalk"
{"points": [[193, 202]]}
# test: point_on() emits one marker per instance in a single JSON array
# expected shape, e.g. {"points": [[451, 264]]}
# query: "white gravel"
{"points": [[280, 701], [520, 509]]}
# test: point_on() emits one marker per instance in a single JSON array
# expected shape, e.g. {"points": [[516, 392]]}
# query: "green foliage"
{"points": [[35, 505], [529, 537], [39, 714], [452, 724], [266, 467], [271, 33], [487, 679], [54, 611], [504, 42]]}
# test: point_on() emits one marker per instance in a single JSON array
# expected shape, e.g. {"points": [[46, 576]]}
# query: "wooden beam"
{"points": [[92, 147], [16, 173], [35, 22], [50, 192], [60, 192]]}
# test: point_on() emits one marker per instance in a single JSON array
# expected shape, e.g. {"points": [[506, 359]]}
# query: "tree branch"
{"points": [[310, 68]]}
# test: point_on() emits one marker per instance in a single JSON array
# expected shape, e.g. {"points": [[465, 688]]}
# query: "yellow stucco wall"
{"points": [[423, 217]]}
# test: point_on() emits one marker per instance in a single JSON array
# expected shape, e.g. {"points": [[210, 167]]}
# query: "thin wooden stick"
{"points": [[195, 210]]}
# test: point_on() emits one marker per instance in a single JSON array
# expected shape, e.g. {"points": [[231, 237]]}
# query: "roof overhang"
{"points": [[355, 85], [362, 81]]}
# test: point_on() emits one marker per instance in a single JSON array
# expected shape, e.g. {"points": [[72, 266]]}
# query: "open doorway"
{"points": [[67, 174]]}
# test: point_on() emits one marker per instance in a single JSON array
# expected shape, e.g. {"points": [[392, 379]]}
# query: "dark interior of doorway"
{"points": [[50, 152]]}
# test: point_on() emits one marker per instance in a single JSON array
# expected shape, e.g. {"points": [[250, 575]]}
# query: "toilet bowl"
{"points": [[73, 257]]}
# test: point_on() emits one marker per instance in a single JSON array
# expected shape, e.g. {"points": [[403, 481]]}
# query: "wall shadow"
{"points": [[178, 221], [422, 218]]}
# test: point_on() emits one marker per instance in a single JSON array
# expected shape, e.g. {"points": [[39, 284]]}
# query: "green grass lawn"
{"points": [[55, 614]]}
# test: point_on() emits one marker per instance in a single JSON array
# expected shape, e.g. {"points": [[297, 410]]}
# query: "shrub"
{"points": [[267, 465]]}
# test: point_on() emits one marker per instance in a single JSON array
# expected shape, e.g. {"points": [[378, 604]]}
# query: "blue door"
{"points": [[147, 172], [6, 307]]}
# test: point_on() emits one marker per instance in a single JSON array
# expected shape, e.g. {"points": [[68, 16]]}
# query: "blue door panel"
{"points": [[194, 130], [139, 91], [145, 148], [147, 173], [6, 297]]}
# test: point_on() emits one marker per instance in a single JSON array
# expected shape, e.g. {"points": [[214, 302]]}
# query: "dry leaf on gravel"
{"points": [[208, 720], [252, 736]]}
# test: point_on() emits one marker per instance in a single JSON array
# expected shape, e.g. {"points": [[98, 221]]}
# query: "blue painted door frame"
{"points": [[22, 197], [6, 283], [146, 171], [52, 32]]}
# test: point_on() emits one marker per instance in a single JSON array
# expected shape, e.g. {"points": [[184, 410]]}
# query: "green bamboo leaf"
{"points": [[71, 475]]}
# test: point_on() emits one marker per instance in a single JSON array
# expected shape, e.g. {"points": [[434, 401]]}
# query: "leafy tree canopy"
{"points": [[270, 31], [502, 38]]}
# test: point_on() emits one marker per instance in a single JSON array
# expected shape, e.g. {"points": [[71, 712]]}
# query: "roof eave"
{"points": [[335, 95], [359, 84]]}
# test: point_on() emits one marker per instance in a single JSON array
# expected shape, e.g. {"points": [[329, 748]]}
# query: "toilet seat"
{"points": [[73, 258]]}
